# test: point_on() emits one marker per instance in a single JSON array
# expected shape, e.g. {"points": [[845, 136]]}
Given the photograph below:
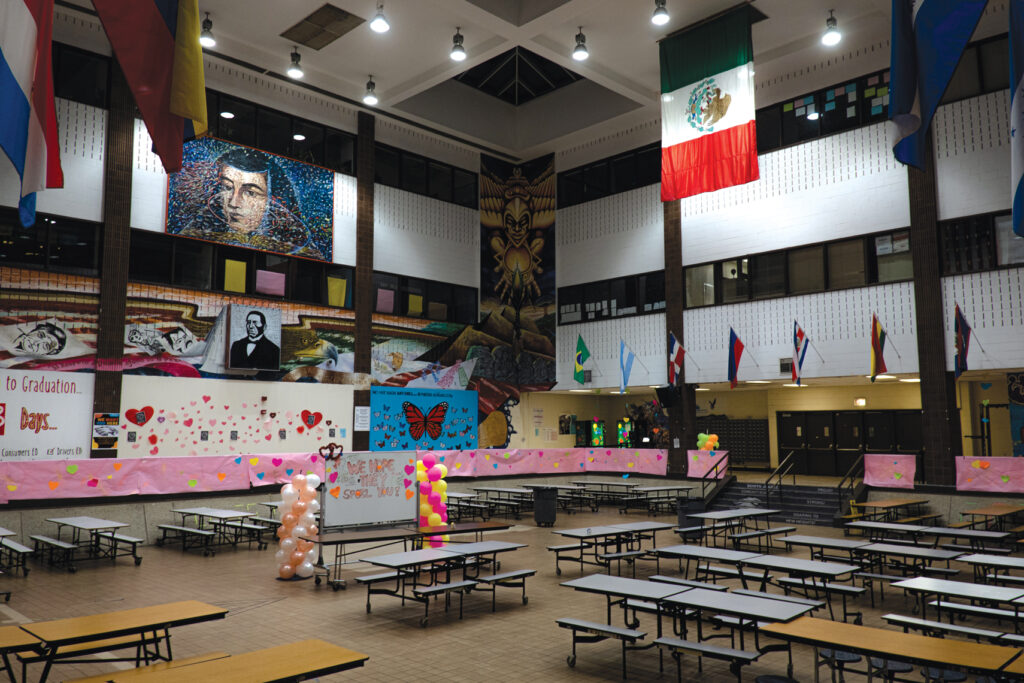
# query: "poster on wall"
{"points": [[45, 415], [105, 430], [1015, 389], [46, 340], [422, 419], [237, 195], [254, 335]]}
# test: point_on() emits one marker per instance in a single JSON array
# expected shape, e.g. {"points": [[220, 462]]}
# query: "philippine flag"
{"points": [[28, 119]]}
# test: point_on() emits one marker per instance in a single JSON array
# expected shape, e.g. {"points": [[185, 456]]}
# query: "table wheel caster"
{"points": [[423, 622], [367, 608], [558, 571], [72, 569], [138, 561], [571, 661], [525, 599], [316, 581], [336, 587], [858, 621]]}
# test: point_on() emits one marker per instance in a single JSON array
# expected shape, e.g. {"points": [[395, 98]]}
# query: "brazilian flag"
{"points": [[582, 354]]}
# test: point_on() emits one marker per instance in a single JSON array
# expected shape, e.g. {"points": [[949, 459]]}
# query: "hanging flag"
{"points": [[877, 348], [582, 354], [28, 119], [928, 39], [963, 340], [676, 353], [735, 351], [1017, 115], [708, 134], [800, 342], [626, 358], [157, 46]]}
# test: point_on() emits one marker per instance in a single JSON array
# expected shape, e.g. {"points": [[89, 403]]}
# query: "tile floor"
{"points": [[518, 643]]}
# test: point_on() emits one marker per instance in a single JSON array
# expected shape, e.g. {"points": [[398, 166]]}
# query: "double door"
{"points": [[829, 442]]}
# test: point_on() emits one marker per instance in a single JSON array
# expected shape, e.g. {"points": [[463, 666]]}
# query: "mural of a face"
{"points": [[519, 257], [518, 217], [44, 340], [243, 195]]}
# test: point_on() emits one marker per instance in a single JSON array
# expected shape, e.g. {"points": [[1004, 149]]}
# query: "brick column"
{"points": [[117, 203], [682, 417], [940, 420], [363, 298]]}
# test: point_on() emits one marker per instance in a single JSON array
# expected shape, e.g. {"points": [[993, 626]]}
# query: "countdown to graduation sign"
{"points": [[422, 419]]}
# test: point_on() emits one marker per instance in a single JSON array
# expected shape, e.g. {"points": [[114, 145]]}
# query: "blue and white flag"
{"points": [[1017, 114], [626, 357], [928, 39]]}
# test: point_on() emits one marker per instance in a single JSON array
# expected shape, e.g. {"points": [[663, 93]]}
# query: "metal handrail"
{"points": [[712, 475], [781, 471], [856, 469]]}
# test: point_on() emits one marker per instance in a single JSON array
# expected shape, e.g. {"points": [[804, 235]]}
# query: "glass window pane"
{"points": [[73, 245], [570, 188], [964, 82], [995, 67], [340, 152], [439, 181], [465, 192], [806, 270], [273, 132], [310, 148], [648, 166], [212, 112], [234, 270], [595, 301], [465, 305], [652, 286], [624, 175], [846, 264], [385, 292], [769, 128], [339, 286], [149, 258], [414, 174], [193, 264], [735, 281], [797, 119], [872, 104], [80, 76], [839, 110], [892, 254], [622, 296], [21, 246], [309, 281], [241, 126], [596, 180], [570, 305], [386, 166], [700, 285], [1009, 245], [769, 275]]}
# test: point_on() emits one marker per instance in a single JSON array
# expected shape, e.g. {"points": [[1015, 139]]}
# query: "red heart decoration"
{"points": [[206, 399], [188, 422], [267, 437], [311, 419], [139, 417], [300, 429], [152, 438]]}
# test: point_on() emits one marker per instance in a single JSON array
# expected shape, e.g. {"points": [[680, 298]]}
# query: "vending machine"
{"points": [[624, 432], [597, 432]]}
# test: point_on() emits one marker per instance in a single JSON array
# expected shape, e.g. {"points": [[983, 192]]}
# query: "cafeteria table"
{"points": [[700, 554], [983, 563], [596, 538], [888, 510], [925, 587], [101, 540], [823, 543], [913, 559], [723, 521]]}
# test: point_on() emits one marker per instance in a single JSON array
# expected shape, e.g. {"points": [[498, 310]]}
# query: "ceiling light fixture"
{"points": [[758, 381], [298, 137], [458, 52], [227, 115], [370, 97], [660, 16], [380, 24], [831, 36], [206, 38], [911, 380], [795, 385], [580, 52], [295, 69], [812, 116]]}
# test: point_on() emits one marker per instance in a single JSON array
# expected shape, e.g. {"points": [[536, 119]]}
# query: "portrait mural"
{"points": [[254, 335], [237, 195]]}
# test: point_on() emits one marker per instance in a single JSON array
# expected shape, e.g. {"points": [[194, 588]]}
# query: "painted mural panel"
{"points": [[403, 419], [45, 415], [237, 195]]}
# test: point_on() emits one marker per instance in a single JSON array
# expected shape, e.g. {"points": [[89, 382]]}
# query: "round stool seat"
{"points": [[890, 666], [840, 657], [774, 679], [936, 674]]}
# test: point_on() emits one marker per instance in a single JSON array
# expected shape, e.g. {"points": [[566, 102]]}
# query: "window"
{"points": [[622, 296], [273, 132], [439, 181], [241, 127], [57, 243], [769, 128], [150, 257], [309, 281], [968, 244], [1010, 246], [700, 285], [595, 301], [311, 148], [73, 246], [386, 288], [846, 264], [339, 286], [465, 303], [735, 282], [995, 67], [22, 246], [570, 188], [387, 166], [193, 264], [892, 256], [806, 270], [965, 81], [414, 174], [652, 287], [340, 152], [80, 76], [769, 275], [624, 175], [639, 167], [570, 305], [464, 192]]}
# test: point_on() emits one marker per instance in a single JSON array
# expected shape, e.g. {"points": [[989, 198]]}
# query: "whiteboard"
{"points": [[369, 489]]}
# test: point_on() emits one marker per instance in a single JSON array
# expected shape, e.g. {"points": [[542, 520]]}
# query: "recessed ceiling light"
{"points": [[380, 24], [227, 115], [298, 137], [913, 380]]}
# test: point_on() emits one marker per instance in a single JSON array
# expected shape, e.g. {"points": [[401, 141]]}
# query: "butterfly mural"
{"points": [[415, 418], [431, 422]]}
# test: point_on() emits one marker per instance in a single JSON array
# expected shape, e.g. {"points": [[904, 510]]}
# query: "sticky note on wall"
{"points": [[270, 282], [234, 275], [337, 290], [415, 305], [385, 300]]}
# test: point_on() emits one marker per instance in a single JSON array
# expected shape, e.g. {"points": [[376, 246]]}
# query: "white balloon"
{"points": [[314, 506], [307, 519], [288, 495], [281, 557], [288, 545], [312, 480], [305, 570], [312, 556], [299, 531]]}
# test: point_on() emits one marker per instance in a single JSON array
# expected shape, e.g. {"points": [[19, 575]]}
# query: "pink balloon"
{"points": [[444, 517], [434, 498], [434, 473], [429, 460], [307, 494], [286, 571], [425, 488], [313, 531], [423, 520], [297, 558]]}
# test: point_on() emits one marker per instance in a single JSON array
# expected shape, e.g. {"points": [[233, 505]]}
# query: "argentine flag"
{"points": [[1017, 114], [928, 39]]}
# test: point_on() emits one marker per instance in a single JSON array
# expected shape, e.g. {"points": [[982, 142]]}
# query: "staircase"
{"points": [[817, 505]]}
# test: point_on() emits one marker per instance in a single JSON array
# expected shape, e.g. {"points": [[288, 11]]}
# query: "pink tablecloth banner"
{"points": [[1004, 475], [195, 473], [895, 471], [484, 462], [279, 468], [40, 479], [699, 463]]}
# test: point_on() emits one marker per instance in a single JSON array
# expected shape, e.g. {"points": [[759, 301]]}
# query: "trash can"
{"points": [[545, 501], [688, 506]]}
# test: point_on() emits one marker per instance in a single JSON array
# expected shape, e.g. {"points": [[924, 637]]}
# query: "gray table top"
{"points": [[960, 589], [6, 532], [825, 542], [213, 513], [909, 551], [623, 484], [484, 547], [87, 523], [655, 489], [413, 557], [890, 526], [592, 532], [701, 552], [643, 526], [762, 609], [797, 565], [461, 496], [560, 487], [993, 561], [979, 534], [622, 586], [739, 513], [500, 489]]}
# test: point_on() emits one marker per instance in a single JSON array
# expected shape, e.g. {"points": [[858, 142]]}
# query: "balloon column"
{"points": [[433, 495], [707, 442], [298, 507]]}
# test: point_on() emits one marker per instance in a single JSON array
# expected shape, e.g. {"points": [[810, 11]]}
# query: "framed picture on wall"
{"points": [[254, 338], [566, 424]]}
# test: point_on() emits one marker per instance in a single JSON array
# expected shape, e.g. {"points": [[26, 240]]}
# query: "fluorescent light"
{"points": [[298, 137], [914, 380], [380, 24], [701, 389], [860, 402], [758, 381], [227, 115], [794, 385]]}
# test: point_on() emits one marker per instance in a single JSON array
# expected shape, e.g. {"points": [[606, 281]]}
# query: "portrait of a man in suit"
{"points": [[254, 350]]}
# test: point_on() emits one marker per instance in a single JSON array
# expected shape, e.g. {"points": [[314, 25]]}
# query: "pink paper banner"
{"points": [[895, 471], [69, 478], [699, 463], [199, 473], [515, 461], [280, 468], [1005, 475]]}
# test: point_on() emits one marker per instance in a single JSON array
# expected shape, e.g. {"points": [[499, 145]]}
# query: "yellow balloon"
{"points": [[434, 519], [421, 475], [420, 465], [444, 497], [444, 471], [440, 485], [426, 509]]}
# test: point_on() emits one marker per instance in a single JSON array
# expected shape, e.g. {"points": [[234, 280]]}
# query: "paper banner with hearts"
{"points": [[1003, 475], [43, 479], [309, 419], [701, 464], [517, 461], [885, 470], [139, 416]]}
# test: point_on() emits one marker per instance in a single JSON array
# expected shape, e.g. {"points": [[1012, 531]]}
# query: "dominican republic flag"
{"points": [[626, 358], [708, 134], [676, 353], [800, 342], [735, 351], [877, 348], [157, 46], [28, 119], [963, 340], [928, 39], [1017, 114]]}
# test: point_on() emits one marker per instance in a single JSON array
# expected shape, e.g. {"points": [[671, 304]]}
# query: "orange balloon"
{"points": [[299, 507], [286, 571], [288, 519], [313, 530], [297, 558]]}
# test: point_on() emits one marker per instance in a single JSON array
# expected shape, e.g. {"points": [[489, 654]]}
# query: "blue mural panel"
{"points": [[422, 419]]}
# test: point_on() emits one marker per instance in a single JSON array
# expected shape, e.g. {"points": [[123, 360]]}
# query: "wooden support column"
{"points": [[682, 417], [117, 204], [940, 420], [364, 294]]}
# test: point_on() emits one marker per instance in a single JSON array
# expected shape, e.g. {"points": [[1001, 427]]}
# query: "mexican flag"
{"points": [[708, 133]]}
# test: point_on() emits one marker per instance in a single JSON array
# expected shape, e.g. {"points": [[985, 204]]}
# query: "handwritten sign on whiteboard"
{"points": [[369, 489]]}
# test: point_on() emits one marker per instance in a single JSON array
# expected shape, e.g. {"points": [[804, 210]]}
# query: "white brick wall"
{"points": [[645, 335], [993, 304]]}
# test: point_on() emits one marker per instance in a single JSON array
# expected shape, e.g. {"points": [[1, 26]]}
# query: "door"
{"points": [[879, 432], [792, 433], [849, 439], [820, 456], [909, 438]]}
